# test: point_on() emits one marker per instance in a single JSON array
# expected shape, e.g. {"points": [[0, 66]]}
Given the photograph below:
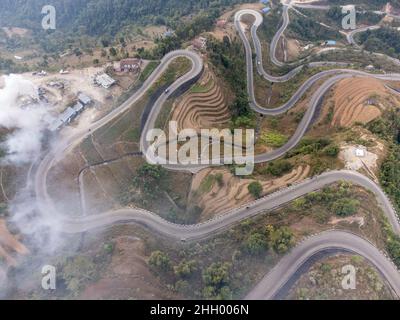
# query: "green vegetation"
{"points": [[279, 167], [388, 128], [345, 206], [160, 261], [208, 182], [228, 58], [185, 268], [309, 145], [307, 29], [281, 239], [105, 16], [338, 200], [255, 188], [274, 139], [198, 88], [256, 243], [148, 179], [216, 280], [147, 71], [384, 40]]}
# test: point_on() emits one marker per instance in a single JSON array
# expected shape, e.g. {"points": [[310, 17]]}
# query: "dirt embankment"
{"points": [[10, 248], [128, 275]]}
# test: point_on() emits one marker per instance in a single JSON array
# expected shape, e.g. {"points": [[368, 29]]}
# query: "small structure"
{"points": [[369, 67], [266, 10], [130, 64], [42, 73], [70, 113], [330, 43], [104, 80], [199, 43], [17, 58], [221, 23], [67, 116], [84, 99], [78, 108], [62, 71], [56, 125], [360, 152], [168, 33]]}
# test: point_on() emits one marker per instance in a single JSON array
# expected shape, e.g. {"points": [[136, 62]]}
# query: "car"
{"points": [[166, 91], [258, 62]]}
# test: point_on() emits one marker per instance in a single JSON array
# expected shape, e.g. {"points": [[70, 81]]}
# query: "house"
{"points": [[104, 80], [78, 108], [56, 125], [67, 116], [330, 43], [360, 152], [130, 64], [199, 43], [84, 99], [221, 23], [369, 67]]}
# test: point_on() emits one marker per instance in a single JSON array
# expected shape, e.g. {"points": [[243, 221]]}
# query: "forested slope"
{"points": [[103, 16]]}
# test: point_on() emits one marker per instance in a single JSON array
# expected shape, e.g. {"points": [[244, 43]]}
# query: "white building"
{"points": [[104, 80]]}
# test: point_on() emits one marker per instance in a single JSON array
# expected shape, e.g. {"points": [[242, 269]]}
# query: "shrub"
{"points": [[185, 268], [332, 151], [277, 168], [345, 206], [160, 261], [255, 188], [281, 239], [256, 243], [274, 139]]}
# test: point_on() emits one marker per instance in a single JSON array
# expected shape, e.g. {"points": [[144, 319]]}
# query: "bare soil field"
{"points": [[128, 275]]}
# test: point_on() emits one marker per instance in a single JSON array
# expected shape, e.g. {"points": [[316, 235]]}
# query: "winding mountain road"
{"points": [[271, 285]]}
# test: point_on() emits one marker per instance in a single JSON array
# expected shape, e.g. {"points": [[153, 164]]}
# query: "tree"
{"points": [[160, 261], [113, 51], [185, 268], [279, 167], [255, 188], [217, 274], [345, 206], [256, 243], [148, 179], [332, 150], [281, 239]]}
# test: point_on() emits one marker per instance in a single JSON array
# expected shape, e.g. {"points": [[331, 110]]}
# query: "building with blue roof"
{"points": [[266, 9]]}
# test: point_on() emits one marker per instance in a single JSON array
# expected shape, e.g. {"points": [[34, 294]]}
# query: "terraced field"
{"points": [[359, 100], [217, 190], [205, 106]]}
